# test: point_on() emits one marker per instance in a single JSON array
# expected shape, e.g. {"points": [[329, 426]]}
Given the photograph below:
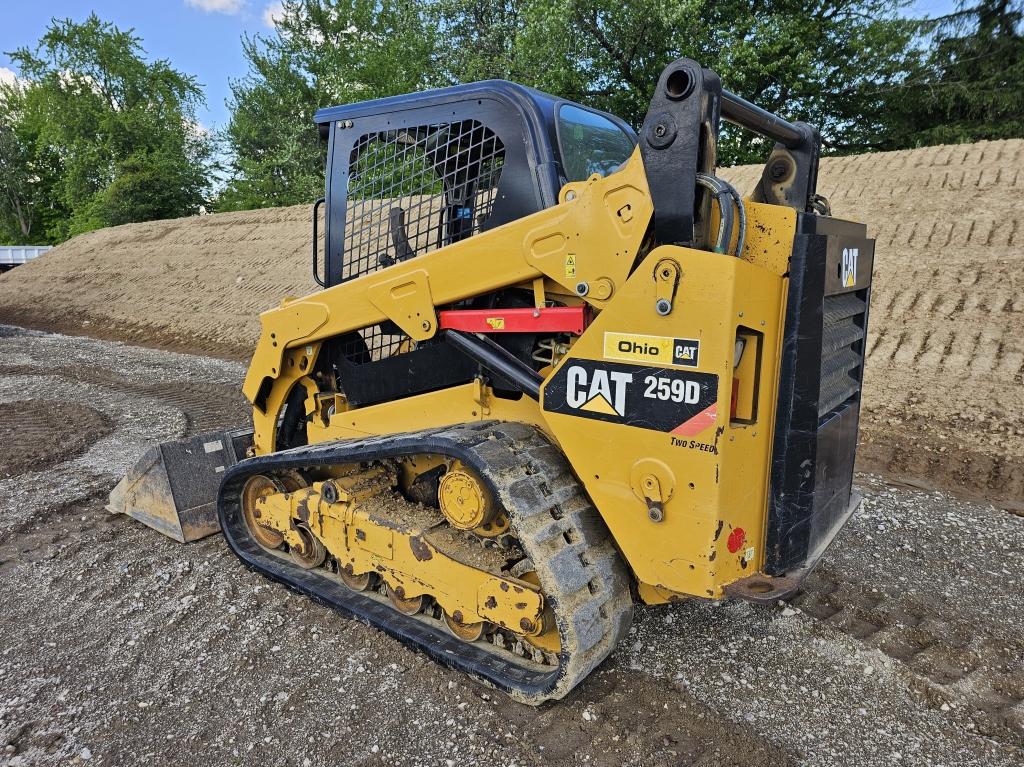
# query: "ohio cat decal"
{"points": [[660, 399], [657, 350]]}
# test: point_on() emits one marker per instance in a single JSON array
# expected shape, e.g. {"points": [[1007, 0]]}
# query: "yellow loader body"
{"points": [[557, 367]]}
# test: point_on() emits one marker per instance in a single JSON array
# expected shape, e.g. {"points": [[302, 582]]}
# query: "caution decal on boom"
{"points": [[660, 399]]}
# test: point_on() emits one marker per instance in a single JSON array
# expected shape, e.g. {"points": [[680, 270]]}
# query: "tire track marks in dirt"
{"points": [[205, 406], [36, 436], [31, 539], [943, 405], [953, 663]]}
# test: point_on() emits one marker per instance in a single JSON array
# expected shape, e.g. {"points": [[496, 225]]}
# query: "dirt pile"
{"points": [[197, 284], [944, 395]]}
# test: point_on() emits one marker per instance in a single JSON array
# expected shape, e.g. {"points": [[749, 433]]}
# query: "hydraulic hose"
{"points": [[722, 196], [726, 195], [742, 209]]}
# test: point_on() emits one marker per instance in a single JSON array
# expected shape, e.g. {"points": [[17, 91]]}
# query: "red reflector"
{"points": [[555, 319], [736, 540]]}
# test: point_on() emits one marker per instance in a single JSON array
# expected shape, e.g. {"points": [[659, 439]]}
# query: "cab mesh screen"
{"points": [[412, 191], [416, 190]]}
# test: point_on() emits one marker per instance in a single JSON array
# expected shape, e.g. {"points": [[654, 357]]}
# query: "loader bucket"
{"points": [[173, 487]]}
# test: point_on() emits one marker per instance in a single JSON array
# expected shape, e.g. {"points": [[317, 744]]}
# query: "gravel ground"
{"points": [[120, 646]]}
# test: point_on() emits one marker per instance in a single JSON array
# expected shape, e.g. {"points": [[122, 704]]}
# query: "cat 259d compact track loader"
{"points": [[556, 368]]}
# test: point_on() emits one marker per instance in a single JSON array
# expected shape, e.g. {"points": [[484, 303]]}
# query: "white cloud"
{"points": [[217, 6], [7, 76], [273, 13], [198, 129]]}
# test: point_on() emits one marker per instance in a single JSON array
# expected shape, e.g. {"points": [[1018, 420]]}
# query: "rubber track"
{"points": [[583, 578]]}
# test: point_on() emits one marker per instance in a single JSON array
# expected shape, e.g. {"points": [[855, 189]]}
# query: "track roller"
{"points": [[353, 581], [467, 632], [405, 606], [311, 553]]}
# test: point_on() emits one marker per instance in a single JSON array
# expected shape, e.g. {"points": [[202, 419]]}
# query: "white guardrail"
{"points": [[12, 255]]}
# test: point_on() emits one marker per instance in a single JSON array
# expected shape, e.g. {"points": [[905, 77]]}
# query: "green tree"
{"points": [[973, 86], [828, 62], [321, 53], [834, 63], [29, 172], [104, 136], [19, 195], [480, 39]]}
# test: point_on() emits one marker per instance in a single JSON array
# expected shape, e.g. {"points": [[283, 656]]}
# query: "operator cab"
{"points": [[410, 174]]}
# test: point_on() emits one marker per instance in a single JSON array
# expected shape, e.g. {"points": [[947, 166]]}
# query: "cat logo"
{"points": [[496, 323], [681, 402], [602, 391], [848, 273], [684, 352]]}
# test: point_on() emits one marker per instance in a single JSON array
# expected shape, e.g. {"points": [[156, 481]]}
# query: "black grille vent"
{"points": [[842, 350]]}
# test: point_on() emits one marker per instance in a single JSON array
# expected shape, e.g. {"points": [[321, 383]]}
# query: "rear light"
{"points": [[746, 375], [741, 344]]}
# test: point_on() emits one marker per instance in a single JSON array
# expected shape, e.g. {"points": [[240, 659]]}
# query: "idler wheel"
{"points": [[256, 488], [464, 499]]}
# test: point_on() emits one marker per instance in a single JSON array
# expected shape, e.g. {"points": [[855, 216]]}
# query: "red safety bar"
{"points": [[555, 319]]}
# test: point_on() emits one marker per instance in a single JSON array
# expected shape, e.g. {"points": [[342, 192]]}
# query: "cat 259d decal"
{"points": [[661, 399]]}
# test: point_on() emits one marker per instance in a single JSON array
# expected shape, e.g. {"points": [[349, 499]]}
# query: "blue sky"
{"points": [[199, 37]]}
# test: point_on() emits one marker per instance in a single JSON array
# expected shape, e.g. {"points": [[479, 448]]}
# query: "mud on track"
{"points": [[905, 649]]}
